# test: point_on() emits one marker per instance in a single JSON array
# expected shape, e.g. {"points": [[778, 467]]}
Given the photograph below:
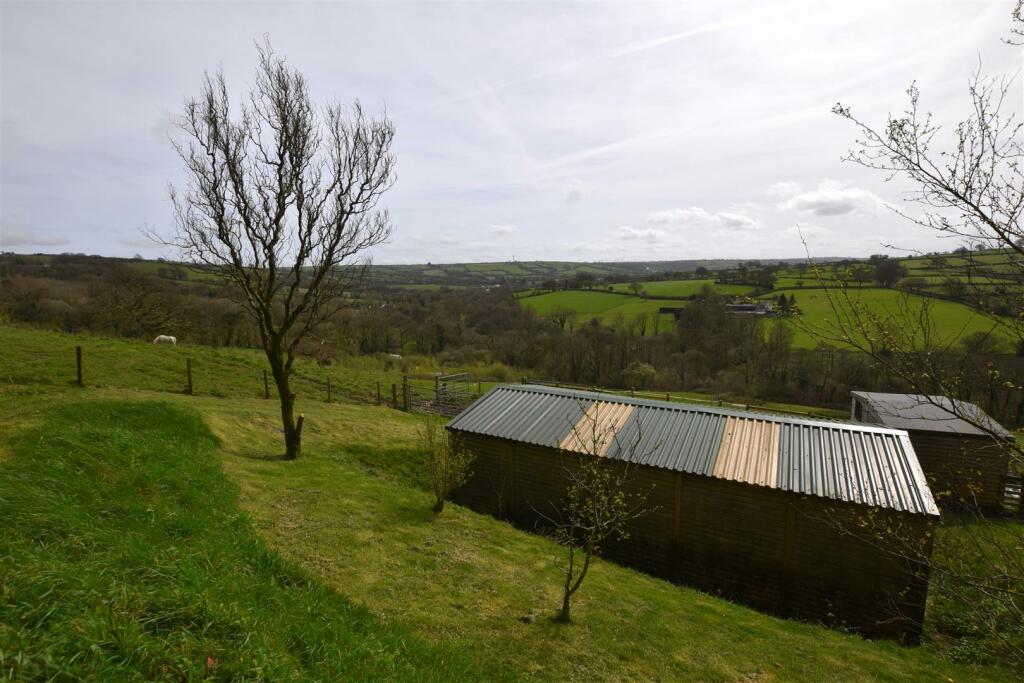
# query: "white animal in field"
{"points": [[166, 339]]}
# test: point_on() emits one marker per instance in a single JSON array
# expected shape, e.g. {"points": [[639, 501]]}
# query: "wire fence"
{"points": [[224, 376]]}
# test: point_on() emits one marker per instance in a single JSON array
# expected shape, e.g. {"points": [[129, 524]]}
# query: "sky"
{"points": [[526, 131]]}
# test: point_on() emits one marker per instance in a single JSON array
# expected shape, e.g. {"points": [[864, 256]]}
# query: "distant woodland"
{"points": [[485, 327]]}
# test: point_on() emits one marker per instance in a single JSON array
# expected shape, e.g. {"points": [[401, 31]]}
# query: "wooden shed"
{"points": [[964, 465], [801, 518]]}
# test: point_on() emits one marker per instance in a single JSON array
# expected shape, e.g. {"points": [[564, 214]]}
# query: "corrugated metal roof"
{"points": [[928, 413], [845, 461]]}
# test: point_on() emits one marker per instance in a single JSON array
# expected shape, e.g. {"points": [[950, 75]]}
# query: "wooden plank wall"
{"points": [[776, 551], [962, 470]]}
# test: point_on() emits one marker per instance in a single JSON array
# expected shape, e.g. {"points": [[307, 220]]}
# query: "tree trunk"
{"points": [[439, 505], [563, 616], [292, 429]]}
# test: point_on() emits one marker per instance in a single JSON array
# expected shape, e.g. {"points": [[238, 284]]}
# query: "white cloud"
{"points": [[831, 198], [504, 230], [807, 230], [574, 190], [784, 189], [586, 122], [737, 221], [695, 216], [644, 234], [19, 238]]}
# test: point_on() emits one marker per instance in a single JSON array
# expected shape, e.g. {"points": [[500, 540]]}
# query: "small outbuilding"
{"points": [[965, 464], [824, 521]]}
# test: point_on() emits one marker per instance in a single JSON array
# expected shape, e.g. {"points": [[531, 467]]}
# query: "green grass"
{"points": [[45, 360], [952, 321], [125, 556], [682, 288], [587, 305]]}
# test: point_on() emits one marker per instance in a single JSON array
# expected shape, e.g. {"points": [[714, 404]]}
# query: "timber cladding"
{"points": [[785, 553], [963, 470]]}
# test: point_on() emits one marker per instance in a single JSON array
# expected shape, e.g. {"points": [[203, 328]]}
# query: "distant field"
{"points": [[682, 288], [603, 305], [952, 321], [430, 288]]}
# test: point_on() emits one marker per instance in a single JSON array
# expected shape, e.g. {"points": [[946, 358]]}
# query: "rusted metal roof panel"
{"points": [[851, 462]]}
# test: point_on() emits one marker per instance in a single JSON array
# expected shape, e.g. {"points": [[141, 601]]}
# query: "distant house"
{"points": [[965, 465], [756, 308], [747, 505]]}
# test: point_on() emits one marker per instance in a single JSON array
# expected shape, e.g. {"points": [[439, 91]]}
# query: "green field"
{"points": [[682, 288], [147, 535], [952, 321], [605, 306]]}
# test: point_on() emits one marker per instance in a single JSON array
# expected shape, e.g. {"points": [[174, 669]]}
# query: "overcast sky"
{"points": [[530, 131]]}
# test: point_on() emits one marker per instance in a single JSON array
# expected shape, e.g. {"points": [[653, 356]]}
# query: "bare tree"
{"points": [[448, 461], [598, 504], [282, 201], [970, 189]]}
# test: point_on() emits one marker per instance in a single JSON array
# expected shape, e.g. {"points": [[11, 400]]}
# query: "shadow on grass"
{"points": [[405, 465], [263, 457]]}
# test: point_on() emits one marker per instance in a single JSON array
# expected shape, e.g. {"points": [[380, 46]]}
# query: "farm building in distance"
{"points": [[755, 507], [964, 464]]}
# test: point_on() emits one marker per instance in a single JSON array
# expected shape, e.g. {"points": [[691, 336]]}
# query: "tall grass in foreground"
{"points": [[123, 556]]}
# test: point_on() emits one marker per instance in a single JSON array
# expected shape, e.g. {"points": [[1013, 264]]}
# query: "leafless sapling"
{"points": [[599, 501], [448, 460]]}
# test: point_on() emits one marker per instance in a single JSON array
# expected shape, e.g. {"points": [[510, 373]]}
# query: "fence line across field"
{"points": [[452, 393]]}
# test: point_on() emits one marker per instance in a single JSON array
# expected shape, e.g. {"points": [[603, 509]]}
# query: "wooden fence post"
{"points": [[632, 392], [478, 388], [405, 393], [378, 393], [668, 397], [188, 373], [78, 364], [266, 385], [328, 389], [394, 396]]}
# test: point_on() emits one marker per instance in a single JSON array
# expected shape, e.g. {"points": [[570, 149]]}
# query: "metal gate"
{"points": [[451, 394]]}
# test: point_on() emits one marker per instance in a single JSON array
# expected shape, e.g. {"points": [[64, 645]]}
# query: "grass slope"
{"points": [[952, 321], [123, 556], [356, 513], [682, 288], [595, 304], [42, 361]]}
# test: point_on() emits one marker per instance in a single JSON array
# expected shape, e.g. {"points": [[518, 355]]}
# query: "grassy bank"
{"points": [[123, 555], [126, 553]]}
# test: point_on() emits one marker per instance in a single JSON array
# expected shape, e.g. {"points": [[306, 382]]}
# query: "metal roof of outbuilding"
{"points": [[856, 463], [929, 413]]}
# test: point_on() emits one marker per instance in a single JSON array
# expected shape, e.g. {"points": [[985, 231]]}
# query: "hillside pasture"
{"points": [[604, 306], [682, 288], [951, 321], [149, 535]]}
